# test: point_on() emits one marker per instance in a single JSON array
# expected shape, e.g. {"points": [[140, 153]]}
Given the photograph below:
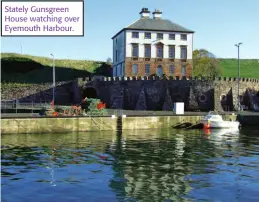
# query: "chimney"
{"points": [[157, 14], [144, 13]]}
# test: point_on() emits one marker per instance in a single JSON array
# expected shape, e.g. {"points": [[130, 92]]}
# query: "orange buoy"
{"points": [[207, 131], [207, 125]]}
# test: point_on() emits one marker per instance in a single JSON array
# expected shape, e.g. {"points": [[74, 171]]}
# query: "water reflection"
{"points": [[147, 165]]}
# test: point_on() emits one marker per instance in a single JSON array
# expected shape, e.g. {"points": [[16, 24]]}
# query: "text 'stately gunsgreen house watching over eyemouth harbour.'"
{"points": [[34, 9]]}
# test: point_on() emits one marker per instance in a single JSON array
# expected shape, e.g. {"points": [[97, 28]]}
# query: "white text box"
{"points": [[42, 18]]}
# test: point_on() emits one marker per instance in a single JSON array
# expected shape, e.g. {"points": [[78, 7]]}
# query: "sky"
{"points": [[218, 26]]}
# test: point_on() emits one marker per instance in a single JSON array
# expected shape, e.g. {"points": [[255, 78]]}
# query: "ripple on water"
{"points": [[137, 166]]}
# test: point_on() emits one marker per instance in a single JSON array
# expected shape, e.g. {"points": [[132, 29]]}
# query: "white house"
{"points": [[153, 45]]}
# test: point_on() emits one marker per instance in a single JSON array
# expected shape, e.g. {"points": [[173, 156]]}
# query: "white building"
{"points": [[152, 45]]}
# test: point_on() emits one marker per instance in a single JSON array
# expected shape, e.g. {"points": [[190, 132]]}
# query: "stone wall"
{"points": [[65, 93], [83, 124], [154, 93], [165, 63], [147, 93], [56, 125]]}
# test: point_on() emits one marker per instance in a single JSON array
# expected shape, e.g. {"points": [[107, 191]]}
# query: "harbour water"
{"points": [[141, 165]]}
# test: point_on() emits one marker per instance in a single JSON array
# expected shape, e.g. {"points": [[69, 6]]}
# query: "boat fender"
{"points": [[206, 126]]}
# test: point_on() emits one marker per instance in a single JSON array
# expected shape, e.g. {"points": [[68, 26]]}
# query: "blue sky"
{"points": [[218, 25]]}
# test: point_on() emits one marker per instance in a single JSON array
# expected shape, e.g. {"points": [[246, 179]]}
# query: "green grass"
{"points": [[249, 68], [17, 68], [20, 69]]}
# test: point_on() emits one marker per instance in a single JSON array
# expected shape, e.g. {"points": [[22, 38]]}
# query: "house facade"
{"points": [[153, 46]]}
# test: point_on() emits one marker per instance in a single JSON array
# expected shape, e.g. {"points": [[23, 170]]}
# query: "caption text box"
{"points": [[42, 18]]}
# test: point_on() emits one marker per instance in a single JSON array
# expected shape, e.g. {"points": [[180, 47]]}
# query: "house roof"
{"points": [[150, 24]]}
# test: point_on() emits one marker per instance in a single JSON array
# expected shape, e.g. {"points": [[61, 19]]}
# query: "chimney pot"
{"points": [[144, 13], [157, 14]]}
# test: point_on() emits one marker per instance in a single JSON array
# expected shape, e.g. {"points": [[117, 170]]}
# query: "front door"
{"points": [[159, 70]]}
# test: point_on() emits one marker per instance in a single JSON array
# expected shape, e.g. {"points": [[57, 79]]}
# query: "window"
{"points": [[172, 52], [159, 36], [123, 69], [114, 71], [116, 55], [134, 50], [147, 69], [135, 35], [119, 70], [147, 35], [183, 70], [171, 36], [183, 37], [159, 53], [183, 52], [148, 51], [116, 41], [171, 69], [135, 69]]}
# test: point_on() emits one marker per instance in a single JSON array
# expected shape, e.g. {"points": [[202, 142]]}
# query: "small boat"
{"points": [[214, 120]]}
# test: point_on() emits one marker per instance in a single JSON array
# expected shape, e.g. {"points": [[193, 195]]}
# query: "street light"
{"points": [[53, 78], [238, 81]]}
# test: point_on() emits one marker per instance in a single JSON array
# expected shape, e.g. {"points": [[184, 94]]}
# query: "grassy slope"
{"points": [[14, 68], [249, 68], [41, 68]]}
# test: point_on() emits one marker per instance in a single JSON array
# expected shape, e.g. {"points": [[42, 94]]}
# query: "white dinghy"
{"points": [[214, 120]]}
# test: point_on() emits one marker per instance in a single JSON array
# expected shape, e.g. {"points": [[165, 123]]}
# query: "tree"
{"points": [[109, 60], [205, 63]]}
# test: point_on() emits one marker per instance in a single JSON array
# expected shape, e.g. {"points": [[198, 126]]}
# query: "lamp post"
{"points": [[238, 81], [54, 79]]}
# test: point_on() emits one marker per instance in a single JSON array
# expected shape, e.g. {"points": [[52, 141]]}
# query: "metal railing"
{"points": [[18, 108], [14, 104]]}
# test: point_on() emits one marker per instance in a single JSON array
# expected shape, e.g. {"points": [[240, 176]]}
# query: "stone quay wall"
{"points": [[148, 93], [84, 124], [159, 93]]}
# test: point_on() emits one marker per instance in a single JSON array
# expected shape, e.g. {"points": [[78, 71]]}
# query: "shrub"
{"points": [[95, 107]]}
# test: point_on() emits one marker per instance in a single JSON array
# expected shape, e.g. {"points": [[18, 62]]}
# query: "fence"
{"points": [[11, 107], [15, 106]]}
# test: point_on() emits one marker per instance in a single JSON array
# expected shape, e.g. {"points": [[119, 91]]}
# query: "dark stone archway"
{"points": [[89, 93]]}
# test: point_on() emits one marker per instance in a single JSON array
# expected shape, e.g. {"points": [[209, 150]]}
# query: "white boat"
{"points": [[214, 120]]}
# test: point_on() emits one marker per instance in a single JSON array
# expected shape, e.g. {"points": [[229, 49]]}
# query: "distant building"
{"points": [[153, 46]]}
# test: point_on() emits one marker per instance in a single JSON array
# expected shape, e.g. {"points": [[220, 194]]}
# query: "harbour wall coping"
{"points": [[83, 124]]}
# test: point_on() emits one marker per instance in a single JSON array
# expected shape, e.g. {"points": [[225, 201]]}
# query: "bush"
{"points": [[95, 107]]}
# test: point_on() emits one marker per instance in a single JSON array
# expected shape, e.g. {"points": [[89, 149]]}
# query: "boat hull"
{"points": [[220, 124]]}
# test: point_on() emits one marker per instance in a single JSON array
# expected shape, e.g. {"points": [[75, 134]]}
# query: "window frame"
{"points": [[149, 66], [169, 48], [146, 36], [183, 58], [171, 69], [132, 35], [159, 37], [158, 46], [147, 46], [137, 46], [170, 37], [183, 39], [183, 66], [134, 65]]}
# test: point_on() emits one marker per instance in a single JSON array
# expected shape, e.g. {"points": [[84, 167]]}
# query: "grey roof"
{"points": [[156, 25]]}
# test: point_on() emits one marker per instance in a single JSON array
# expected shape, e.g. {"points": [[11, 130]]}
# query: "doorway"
{"points": [[159, 70]]}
